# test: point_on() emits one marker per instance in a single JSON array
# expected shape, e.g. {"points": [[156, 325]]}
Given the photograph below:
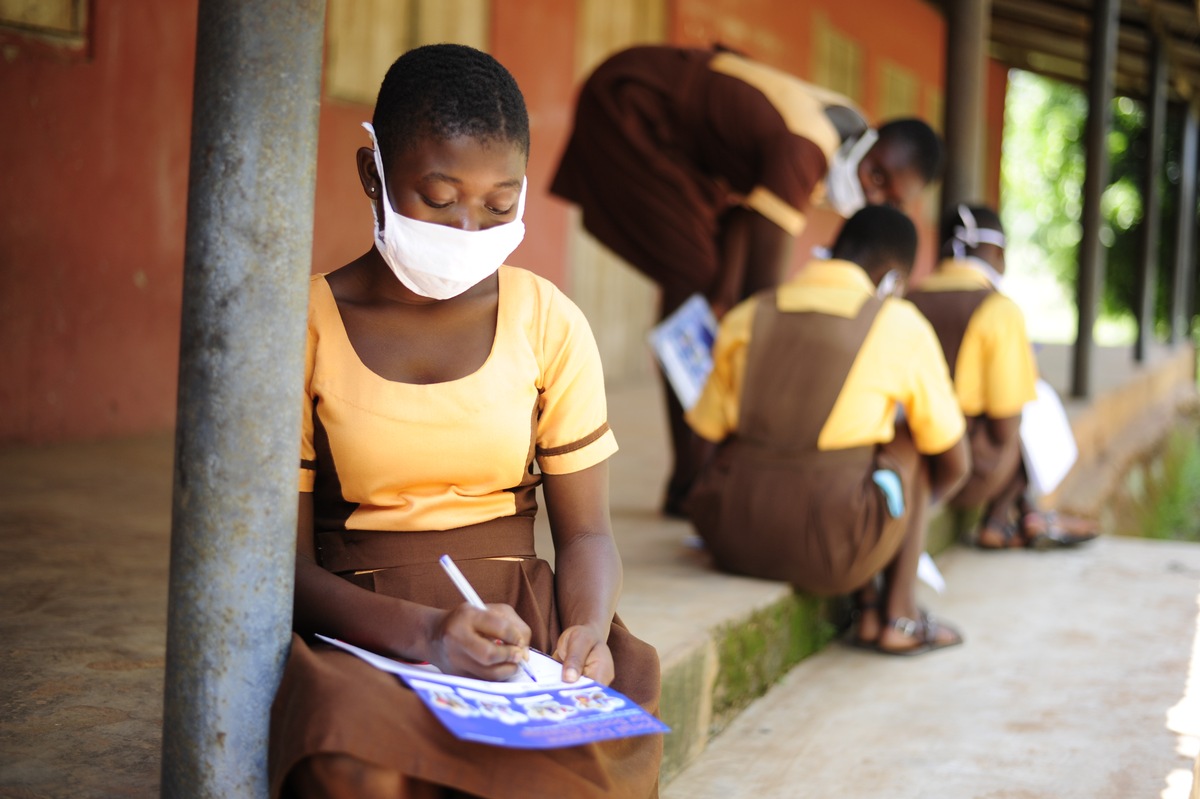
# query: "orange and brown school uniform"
{"points": [[983, 337], [401, 473], [805, 388], [667, 139]]}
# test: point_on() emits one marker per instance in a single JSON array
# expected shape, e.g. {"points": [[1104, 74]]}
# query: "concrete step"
{"points": [[1073, 682], [722, 640]]}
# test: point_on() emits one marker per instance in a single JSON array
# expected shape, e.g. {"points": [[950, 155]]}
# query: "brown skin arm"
{"points": [[755, 253], [463, 640], [587, 570], [1003, 431], [949, 470]]}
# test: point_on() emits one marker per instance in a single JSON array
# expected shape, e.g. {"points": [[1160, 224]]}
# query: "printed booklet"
{"points": [[518, 712], [683, 343]]}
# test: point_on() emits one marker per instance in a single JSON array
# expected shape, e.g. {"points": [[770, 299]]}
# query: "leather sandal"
{"points": [[1050, 530], [925, 631]]}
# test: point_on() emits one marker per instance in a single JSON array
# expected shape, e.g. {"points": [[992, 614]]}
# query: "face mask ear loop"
{"points": [[965, 235]]}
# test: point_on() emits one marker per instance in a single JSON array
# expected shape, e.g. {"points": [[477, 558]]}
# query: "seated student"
{"points": [[982, 333], [699, 167], [441, 388], [817, 483]]}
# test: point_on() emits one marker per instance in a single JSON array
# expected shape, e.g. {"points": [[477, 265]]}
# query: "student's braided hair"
{"points": [[922, 142], [878, 236], [445, 91]]}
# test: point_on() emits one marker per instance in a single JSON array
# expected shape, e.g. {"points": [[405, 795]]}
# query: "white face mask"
{"points": [[890, 285], [843, 188], [438, 261]]}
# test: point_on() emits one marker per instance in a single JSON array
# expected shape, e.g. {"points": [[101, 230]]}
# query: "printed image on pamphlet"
{"points": [[683, 344], [520, 713]]}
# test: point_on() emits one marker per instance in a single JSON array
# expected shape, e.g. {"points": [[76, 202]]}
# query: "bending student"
{"points": [[698, 167], [816, 483], [437, 379], [982, 333]]}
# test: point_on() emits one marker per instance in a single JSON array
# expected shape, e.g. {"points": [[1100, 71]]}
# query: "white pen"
{"points": [[468, 592]]}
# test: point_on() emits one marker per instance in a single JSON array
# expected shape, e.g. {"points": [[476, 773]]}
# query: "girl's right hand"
{"points": [[485, 644]]}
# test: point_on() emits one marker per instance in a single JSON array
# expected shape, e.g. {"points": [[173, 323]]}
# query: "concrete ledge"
{"points": [[84, 663]]}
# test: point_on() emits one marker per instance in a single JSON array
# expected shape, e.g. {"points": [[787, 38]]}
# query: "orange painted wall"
{"points": [[93, 194], [93, 184]]}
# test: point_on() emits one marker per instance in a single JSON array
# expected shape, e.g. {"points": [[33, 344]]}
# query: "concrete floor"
{"points": [[1073, 658], [1078, 679]]}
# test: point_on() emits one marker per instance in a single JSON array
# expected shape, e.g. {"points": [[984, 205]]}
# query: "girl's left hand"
{"points": [[583, 651]]}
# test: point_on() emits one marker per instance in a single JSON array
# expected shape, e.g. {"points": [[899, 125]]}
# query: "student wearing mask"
{"points": [[816, 482], [982, 334], [698, 168], [441, 388]]}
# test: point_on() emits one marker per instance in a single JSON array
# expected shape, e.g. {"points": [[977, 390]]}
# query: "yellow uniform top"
{"points": [[995, 373], [900, 364], [385, 455]]}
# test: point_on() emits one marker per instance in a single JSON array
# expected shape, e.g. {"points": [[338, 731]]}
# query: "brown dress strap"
{"points": [[949, 313], [796, 366], [347, 551]]}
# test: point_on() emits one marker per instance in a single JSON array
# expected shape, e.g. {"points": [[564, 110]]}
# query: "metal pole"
{"points": [[247, 257], [1185, 267], [967, 25], [1156, 127], [1105, 21]]}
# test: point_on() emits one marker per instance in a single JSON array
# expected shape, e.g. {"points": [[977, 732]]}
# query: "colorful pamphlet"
{"points": [[683, 344], [520, 713]]}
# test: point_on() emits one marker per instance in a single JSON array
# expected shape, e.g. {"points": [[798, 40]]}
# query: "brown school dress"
{"points": [[994, 469], [772, 505], [330, 701], [387, 462], [663, 146]]}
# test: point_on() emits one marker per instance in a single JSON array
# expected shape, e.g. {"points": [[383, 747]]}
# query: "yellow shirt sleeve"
{"points": [[996, 373], [715, 414], [308, 452], [572, 425]]}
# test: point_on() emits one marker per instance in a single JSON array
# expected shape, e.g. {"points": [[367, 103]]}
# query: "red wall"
{"points": [[93, 183], [93, 193]]}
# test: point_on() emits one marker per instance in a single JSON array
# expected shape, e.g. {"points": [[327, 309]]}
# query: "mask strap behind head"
{"points": [[855, 149], [969, 234]]}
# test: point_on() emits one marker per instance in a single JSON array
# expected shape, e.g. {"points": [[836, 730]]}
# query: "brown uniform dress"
{"points": [[995, 470], [773, 505], [331, 701], [664, 144], [403, 473]]}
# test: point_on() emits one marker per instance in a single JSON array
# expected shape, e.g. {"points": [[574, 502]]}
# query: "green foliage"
{"points": [[1042, 185], [1167, 506]]}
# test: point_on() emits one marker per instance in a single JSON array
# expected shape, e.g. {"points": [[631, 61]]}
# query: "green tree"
{"points": [[1042, 186]]}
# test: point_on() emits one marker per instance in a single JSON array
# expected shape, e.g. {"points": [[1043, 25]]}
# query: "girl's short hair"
{"points": [[444, 91]]}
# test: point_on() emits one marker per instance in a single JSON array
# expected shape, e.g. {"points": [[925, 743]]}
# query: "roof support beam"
{"points": [[247, 255], [1156, 126], [966, 91], [1185, 231], [1105, 20]]}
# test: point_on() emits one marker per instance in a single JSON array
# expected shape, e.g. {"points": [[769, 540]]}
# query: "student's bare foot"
{"points": [[866, 619], [905, 636]]}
